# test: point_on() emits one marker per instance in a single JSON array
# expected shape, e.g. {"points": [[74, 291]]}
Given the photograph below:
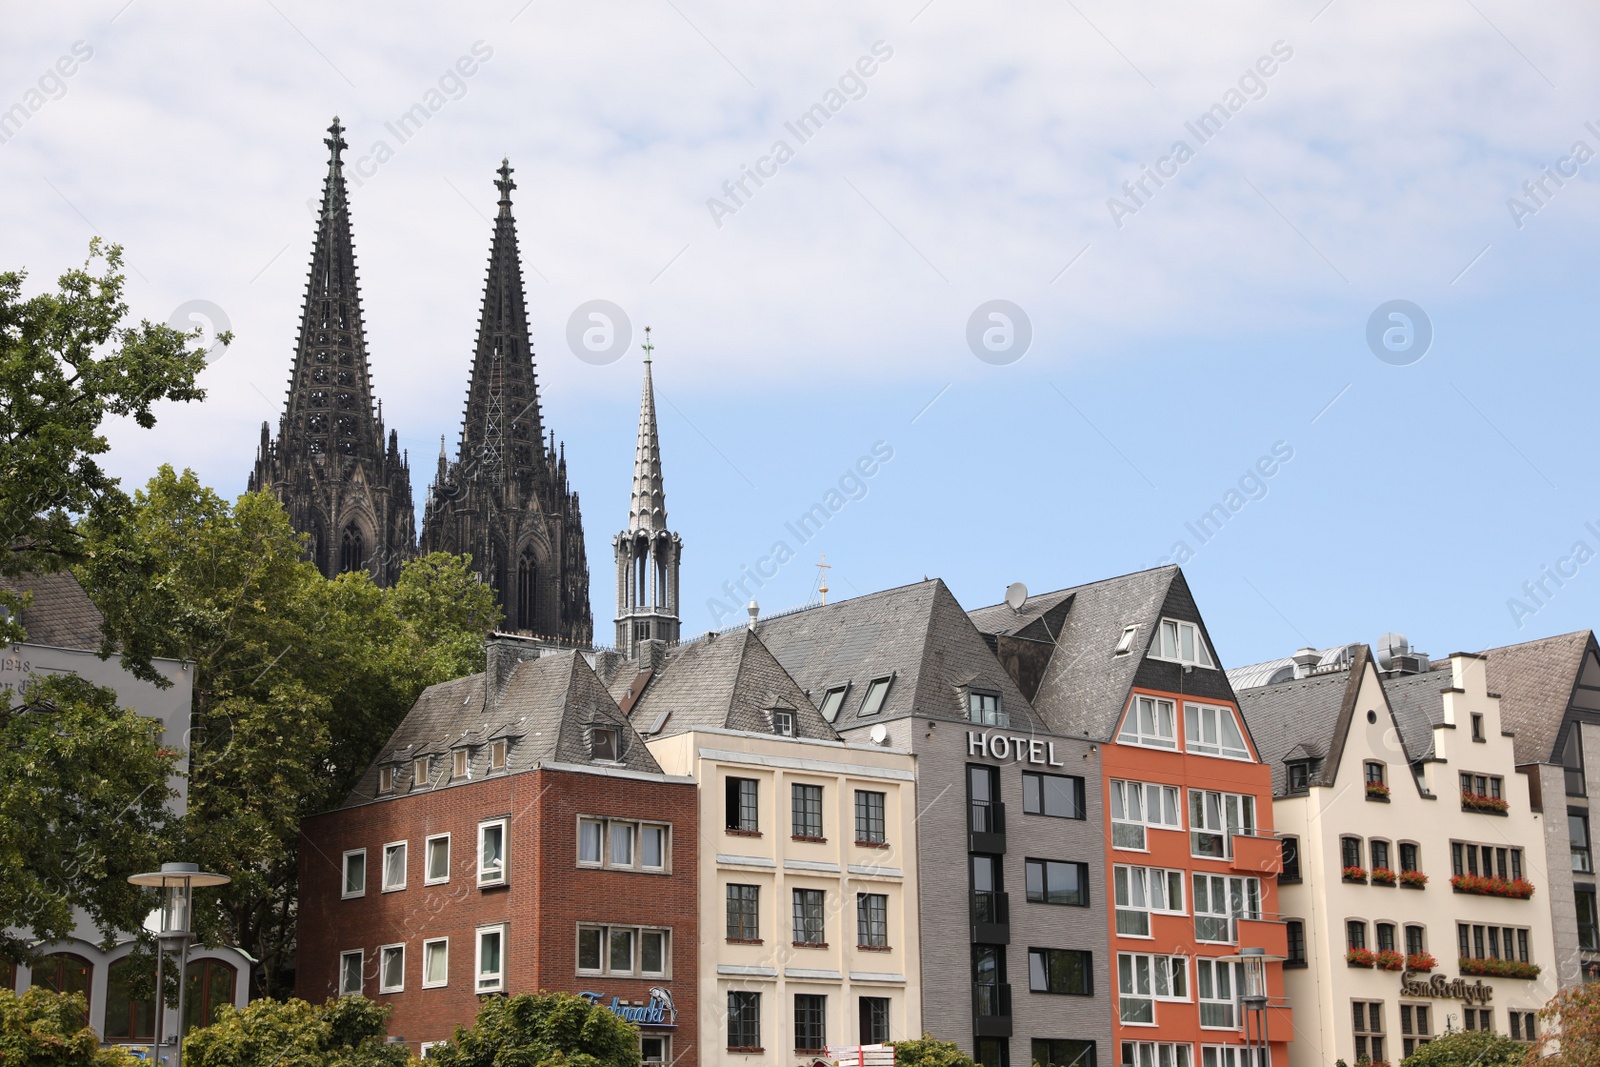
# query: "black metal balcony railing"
{"points": [[991, 1009], [991, 918], [986, 826]]}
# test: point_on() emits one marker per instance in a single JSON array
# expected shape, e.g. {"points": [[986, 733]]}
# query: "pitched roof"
{"points": [[1418, 706], [1535, 681], [61, 614], [1295, 719], [548, 710], [729, 682]]}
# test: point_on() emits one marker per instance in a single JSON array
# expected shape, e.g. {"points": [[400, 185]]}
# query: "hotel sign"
{"points": [[1441, 988], [1011, 747]]}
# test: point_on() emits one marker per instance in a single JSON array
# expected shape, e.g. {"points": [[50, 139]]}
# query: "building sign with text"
{"points": [[658, 1011], [1012, 747], [1441, 988]]}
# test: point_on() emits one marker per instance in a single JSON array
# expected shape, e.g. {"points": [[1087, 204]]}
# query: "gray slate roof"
{"points": [[61, 614], [726, 682], [1294, 719], [1418, 707], [547, 712], [1535, 680]]}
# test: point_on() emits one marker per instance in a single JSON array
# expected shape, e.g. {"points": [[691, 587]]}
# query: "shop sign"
{"points": [[1007, 747], [659, 1011], [1441, 988]]}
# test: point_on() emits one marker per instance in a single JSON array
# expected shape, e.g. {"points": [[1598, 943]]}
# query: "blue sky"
{"points": [[1176, 339]]}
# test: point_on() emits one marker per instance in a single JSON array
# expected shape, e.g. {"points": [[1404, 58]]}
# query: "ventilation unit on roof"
{"points": [[1305, 661], [1395, 654]]}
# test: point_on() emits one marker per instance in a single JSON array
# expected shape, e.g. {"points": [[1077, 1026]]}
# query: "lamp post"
{"points": [[175, 883], [1253, 997]]}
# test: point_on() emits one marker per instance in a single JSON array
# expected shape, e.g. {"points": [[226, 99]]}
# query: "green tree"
{"points": [[542, 1030], [929, 1051], [67, 361], [1469, 1048], [83, 804], [1569, 1029], [45, 1029], [347, 1032]]}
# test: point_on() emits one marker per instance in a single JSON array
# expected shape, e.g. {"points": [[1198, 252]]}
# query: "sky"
{"points": [[1197, 221]]}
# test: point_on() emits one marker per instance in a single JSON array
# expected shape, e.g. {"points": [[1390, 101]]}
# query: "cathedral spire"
{"points": [[648, 554], [649, 507]]}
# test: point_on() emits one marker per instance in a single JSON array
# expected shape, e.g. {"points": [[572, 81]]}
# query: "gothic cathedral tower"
{"points": [[648, 554], [504, 501], [329, 466]]}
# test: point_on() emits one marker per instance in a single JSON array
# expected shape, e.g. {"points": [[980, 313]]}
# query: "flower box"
{"points": [[1377, 791], [1483, 803], [1421, 961], [1383, 876], [1413, 879], [1388, 959], [1355, 874], [1359, 957], [1489, 886], [1492, 968]]}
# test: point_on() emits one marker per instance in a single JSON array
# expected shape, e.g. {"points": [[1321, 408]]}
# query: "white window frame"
{"points": [[1158, 648], [1121, 793], [1132, 731], [427, 956], [1222, 828], [600, 829], [1236, 888], [783, 722], [1131, 991], [428, 1048], [488, 879], [1222, 716], [1233, 1056], [1146, 891], [666, 1047], [1204, 964], [345, 892], [428, 877], [666, 844], [360, 957], [1157, 1054], [1125, 642], [383, 968], [497, 982], [405, 865], [636, 954]]}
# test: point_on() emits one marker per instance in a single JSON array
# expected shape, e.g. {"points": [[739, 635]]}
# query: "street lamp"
{"points": [[1253, 996], [175, 883]]}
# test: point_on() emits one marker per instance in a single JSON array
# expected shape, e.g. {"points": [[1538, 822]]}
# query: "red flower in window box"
{"points": [[1377, 790], [1484, 803], [1492, 968], [1414, 879], [1359, 957], [1355, 874], [1383, 876], [1421, 961], [1389, 960], [1490, 886]]}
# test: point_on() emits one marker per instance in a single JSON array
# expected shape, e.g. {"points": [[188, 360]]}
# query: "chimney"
{"points": [[1305, 661], [504, 652], [754, 611]]}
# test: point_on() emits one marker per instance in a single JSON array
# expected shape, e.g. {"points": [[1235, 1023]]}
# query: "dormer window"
{"points": [[458, 763], [832, 702], [984, 708], [497, 755], [1181, 642], [1299, 776], [385, 779], [1125, 643], [607, 744], [783, 723], [421, 772]]}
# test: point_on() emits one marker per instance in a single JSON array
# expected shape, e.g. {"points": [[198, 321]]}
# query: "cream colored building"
{"points": [[1369, 772]]}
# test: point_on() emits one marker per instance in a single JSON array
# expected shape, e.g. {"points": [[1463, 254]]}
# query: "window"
{"points": [[491, 959], [810, 1022], [989, 903], [394, 866], [1182, 642], [1409, 856], [991, 993], [355, 873], [1367, 1019], [832, 702], [1219, 902], [1480, 1019], [744, 909], [1522, 1025], [1058, 970], [621, 837], [492, 852], [1416, 1027], [1385, 932], [1296, 930], [1214, 820], [1232, 1056], [1350, 852], [1416, 940], [1290, 847], [872, 920], [1483, 785], [64, 972], [129, 1017], [385, 779], [985, 708], [591, 838], [437, 857], [1057, 882], [1572, 763], [1156, 1054], [391, 969], [622, 950], [1588, 917], [1379, 850], [435, 963], [1150, 722], [607, 742], [1488, 860], [1214, 979], [806, 811], [991, 1052], [1125, 642], [655, 1049], [1136, 806], [421, 772], [1578, 830], [458, 763], [1376, 777], [1213, 731], [877, 691], [351, 965], [874, 1013], [208, 985], [1477, 726], [984, 810], [808, 918], [1063, 1052], [744, 1021], [869, 818], [1056, 795], [741, 806], [497, 755], [1143, 979], [1298, 777], [783, 722], [1138, 891], [1492, 942], [652, 847], [1355, 934], [622, 844]]}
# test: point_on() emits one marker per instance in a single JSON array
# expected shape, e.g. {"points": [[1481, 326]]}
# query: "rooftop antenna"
{"points": [[822, 570]]}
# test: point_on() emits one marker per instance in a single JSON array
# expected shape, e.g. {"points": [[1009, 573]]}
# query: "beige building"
{"points": [[1414, 859], [807, 876]]}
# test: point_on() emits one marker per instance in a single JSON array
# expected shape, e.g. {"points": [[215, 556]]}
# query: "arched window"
{"points": [[64, 973], [351, 553], [130, 1014], [210, 986], [527, 582]]}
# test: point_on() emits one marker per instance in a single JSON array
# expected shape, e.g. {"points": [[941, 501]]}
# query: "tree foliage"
{"points": [[542, 1030], [1468, 1048], [83, 804], [67, 362], [42, 1028], [929, 1051], [347, 1032], [1569, 1029]]}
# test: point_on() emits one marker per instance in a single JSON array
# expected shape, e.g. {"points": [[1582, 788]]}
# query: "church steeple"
{"points": [[649, 556]]}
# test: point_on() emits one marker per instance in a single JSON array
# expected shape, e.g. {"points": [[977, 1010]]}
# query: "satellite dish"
{"points": [[1016, 595], [879, 734]]}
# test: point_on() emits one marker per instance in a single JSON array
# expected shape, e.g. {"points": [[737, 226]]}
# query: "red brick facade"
{"points": [[546, 895]]}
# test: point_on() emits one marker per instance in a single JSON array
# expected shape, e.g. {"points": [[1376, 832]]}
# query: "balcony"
{"points": [[1258, 854], [991, 919], [991, 1010], [986, 826]]}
